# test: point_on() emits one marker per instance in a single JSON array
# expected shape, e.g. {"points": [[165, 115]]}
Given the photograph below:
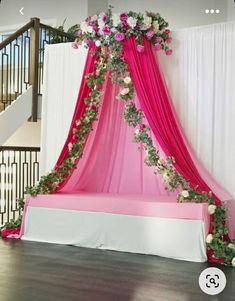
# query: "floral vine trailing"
{"points": [[107, 31]]}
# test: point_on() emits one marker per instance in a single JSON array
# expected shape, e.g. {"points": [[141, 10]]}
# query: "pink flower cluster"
{"points": [[11, 233], [107, 28]]}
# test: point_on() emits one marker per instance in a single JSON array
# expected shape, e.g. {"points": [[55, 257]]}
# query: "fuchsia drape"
{"points": [[111, 162], [156, 104]]}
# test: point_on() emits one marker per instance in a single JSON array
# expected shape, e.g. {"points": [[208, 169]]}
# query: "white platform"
{"points": [[182, 239]]}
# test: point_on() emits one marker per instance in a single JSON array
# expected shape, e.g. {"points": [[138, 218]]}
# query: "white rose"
{"points": [[84, 44], [116, 20], [165, 176], [125, 91], [147, 21], [211, 209], [83, 26], [155, 26], [132, 22], [89, 29], [233, 262], [209, 238], [146, 152], [231, 246], [185, 193], [97, 43], [70, 146], [137, 131], [127, 80]]}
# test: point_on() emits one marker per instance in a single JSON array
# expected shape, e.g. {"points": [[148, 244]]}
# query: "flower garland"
{"points": [[107, 31]]}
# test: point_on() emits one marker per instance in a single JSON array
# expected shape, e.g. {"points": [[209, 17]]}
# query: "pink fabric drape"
{"points": [[111, 162], [156, 104]]}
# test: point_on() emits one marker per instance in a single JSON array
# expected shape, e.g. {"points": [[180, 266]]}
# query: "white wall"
{"points": [[95, 6], [230, 10], [74, 10], [179, 13], [28, 134]]}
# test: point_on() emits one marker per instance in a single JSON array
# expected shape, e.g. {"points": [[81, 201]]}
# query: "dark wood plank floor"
{"points": [[31, 271]]}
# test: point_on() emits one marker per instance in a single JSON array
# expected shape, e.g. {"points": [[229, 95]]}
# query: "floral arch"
{"points": [[122, 46]]}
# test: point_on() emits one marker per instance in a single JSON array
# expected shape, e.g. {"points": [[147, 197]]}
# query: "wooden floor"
{"points": [[32, 271]]}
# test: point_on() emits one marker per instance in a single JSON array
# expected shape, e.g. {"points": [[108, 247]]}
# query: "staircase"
{"points": [[21, 78], [21, 73]]}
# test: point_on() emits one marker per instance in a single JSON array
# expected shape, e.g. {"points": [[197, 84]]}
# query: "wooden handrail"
{"points": [[16, 34], [20, 148], [34, 57], [24, 49]]}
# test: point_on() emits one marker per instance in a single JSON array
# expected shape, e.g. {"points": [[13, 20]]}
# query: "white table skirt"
{"points": [[174, 238]]}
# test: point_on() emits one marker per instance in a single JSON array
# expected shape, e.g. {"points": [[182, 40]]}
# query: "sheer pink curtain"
{"points": [[111, 162]]}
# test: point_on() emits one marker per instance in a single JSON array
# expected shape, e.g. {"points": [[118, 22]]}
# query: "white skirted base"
{"points": [[182, 239]]}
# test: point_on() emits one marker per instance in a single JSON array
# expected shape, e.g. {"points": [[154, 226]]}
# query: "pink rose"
{"points": [[169, 40], [88, 20], [142, 127], [158, 39], [104, 18], [94, 108], [106, 30], [140, 48], [75, 45], [158, 46], [167, 31], [149, 35], [95, 28], [124, 16], [75, 137], [119, 36], [169, 52], [10, 232]]}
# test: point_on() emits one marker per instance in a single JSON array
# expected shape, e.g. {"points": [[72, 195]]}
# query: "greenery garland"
{"points": [[107, 31]]}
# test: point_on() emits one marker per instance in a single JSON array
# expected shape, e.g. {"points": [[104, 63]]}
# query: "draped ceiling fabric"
{"points": [[115, 165]]}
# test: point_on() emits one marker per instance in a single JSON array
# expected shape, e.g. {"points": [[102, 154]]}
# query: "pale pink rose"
{"points": [[70, 146], [169, 40], [119, 36], [158, 39], [157, 46], [88, 41], [169, 52], [140, 48], [94, 18], [79, 33], [124, 91], [75, 45], [149, 35]]}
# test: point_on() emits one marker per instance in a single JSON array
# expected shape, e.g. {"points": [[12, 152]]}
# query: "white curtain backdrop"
{"points": [[62, 76], [200, 76]]}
